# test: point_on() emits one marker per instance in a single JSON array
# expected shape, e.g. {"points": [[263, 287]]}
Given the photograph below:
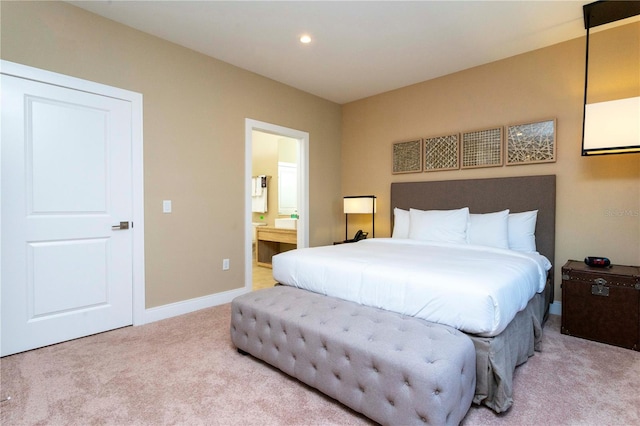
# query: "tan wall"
{"points": [[598, 198], [194, 112], [265, 162], [287, 150]]}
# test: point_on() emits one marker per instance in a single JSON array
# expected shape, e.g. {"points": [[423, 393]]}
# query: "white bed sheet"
{"points": [[475, 289]]}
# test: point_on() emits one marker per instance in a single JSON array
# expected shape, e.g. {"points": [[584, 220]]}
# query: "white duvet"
{"points": [[475, 289]]}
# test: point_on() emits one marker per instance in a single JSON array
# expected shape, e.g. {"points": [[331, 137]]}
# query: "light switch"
{"points": [[166, 206]]}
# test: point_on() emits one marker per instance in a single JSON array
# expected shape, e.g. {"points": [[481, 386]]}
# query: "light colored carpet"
{"points": [[185, 371]]}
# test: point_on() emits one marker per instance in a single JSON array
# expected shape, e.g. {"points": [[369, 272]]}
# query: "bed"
{"points": [[508, 333]]}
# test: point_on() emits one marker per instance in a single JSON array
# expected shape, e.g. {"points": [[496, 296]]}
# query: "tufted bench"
{"points": [[391, 368]]}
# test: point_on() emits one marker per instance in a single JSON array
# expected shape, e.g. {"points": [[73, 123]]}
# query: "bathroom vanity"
{"points": [[271, 241]]}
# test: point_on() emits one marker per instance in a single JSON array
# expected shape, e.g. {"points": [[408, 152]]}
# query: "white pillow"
{"points": [[401, 221], [489, 229], [442, 226], [522, 231]]}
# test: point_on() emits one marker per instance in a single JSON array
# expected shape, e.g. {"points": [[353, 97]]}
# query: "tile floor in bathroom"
{"points": [[262, 276]]}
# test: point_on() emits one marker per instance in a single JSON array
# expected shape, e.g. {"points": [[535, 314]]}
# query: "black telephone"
{"points": [[359, 236]]}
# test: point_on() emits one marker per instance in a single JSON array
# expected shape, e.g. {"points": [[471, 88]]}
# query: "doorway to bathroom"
{"points": [[276, 194]]}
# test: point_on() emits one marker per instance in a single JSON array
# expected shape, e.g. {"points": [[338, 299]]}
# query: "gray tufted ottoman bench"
{"points": [[391, 368]]}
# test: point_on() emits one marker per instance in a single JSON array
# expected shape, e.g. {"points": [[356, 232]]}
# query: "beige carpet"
{"points": [[185, 371]]}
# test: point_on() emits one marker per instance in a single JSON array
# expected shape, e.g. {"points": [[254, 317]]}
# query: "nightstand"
{"points": [[602, 304]]}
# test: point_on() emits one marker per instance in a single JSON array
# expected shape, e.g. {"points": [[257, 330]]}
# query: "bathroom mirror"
{"points": [[287, 188]]}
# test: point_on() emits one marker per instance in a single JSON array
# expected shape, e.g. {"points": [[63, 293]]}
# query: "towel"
{"points": [[259, 194], [256, 186], [259, 202]]}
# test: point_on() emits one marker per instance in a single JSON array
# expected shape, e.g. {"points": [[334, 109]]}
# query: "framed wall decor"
{"points": [[531, 143], [482, 148], [442, 153], [407, 156]]}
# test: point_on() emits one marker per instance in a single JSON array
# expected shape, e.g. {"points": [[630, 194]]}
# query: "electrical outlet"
{"points": [[225, 264]]}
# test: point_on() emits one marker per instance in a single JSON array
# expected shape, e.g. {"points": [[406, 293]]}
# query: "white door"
{"points": [[66, 182]]}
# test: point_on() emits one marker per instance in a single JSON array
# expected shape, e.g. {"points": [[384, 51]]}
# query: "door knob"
{"points": [[123, 225]]}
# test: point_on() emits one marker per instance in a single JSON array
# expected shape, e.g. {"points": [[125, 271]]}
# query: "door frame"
{"points": [[303, 187], [48, 77]]}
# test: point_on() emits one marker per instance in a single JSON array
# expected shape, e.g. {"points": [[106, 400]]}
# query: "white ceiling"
{"points": [[359, 48]]}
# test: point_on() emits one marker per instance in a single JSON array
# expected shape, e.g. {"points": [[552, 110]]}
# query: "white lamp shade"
{"points": [[612, 127], [359, 205]]}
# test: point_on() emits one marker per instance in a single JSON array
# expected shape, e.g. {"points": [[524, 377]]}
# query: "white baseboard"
{"points": [[555, 308], [180, 308]]}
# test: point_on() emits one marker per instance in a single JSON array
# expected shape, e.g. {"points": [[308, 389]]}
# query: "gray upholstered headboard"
{"points": [[518, 194]]}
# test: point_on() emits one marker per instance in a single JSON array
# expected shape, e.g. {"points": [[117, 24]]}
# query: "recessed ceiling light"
{"points": [[305, 39]]}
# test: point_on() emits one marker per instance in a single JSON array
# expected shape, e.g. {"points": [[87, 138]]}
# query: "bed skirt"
{"points": [[497, 357]]}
